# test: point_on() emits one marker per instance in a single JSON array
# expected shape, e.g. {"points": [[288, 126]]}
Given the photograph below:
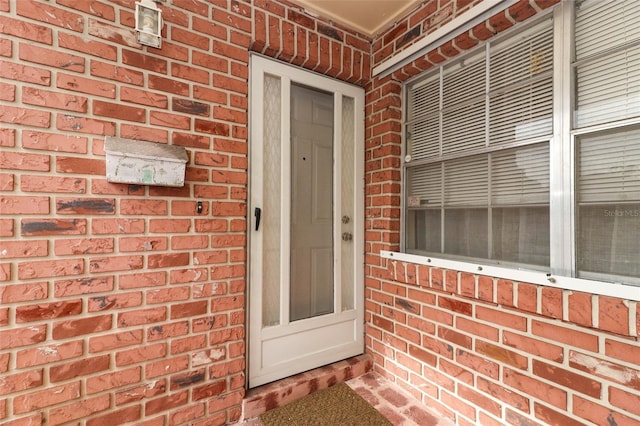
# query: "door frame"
{"points": [[292, 74]]}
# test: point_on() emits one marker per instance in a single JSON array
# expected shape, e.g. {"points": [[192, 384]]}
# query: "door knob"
{"points": [[347, 236]]}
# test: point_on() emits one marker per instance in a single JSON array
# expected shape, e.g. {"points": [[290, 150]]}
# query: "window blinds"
{"points": [[607, 72], [609, 167], [477, 134], [607, 61]]}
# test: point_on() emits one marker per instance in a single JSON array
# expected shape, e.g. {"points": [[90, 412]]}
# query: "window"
{"points": [[485, 149], [607, 141]]}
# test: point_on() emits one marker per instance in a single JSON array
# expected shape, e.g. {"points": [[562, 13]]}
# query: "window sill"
{"points": [[622, 291]]}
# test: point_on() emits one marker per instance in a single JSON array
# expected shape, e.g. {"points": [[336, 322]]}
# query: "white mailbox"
{"points": [[144, 163]]}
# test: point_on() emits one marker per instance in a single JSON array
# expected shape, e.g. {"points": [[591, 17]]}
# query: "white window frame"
{"points": [[562, 272]]}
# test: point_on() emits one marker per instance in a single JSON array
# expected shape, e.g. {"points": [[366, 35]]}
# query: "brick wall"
{"points": [[121, 302], [482, 350]]}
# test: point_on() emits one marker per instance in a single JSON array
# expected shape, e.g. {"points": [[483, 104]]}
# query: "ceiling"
{"points": [[366, 16]]}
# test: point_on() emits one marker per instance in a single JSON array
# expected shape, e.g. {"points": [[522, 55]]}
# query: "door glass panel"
{"points": [[271, 214], [311, 288], [347, 201]]}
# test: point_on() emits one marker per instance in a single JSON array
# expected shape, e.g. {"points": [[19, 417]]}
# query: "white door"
{"points": [[306, 238]]}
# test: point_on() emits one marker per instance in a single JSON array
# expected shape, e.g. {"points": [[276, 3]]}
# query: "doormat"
{"points": [[336, 405]]}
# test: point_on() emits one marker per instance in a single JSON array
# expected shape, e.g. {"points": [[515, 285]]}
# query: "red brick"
{"points": [[44, 355], [73, 328], [622, 351], [53, 58], [113, 380], [498, 391], [117, 226], [143, 207], [188, 344], [139, 60], [117, 301], [25, 30], [22, 336], [25, 73], [146, 316], [166, 366], [19, 382], [50, 14], [607, 370], [115, 73], [23, 292], [50, 268], [471, 395], [80, 368], [8, 137], [534, 346], [78, 410], [455, 337], [482, 330], [502, 355], [613, 315], [129, 414], [6, 49], [83, 246], [137, 393], [166, 402], [94, 48], [18, 249], [599, 414], [535, 388], [83, 286], [572, 380], [119, 111], [115, 341], [141, 354], [54, 142], [32, 227], [554, 417], [565, 335], [45, 398], [29, 313], [501, 318], [92, 126], [25, 116], [624, 400]]}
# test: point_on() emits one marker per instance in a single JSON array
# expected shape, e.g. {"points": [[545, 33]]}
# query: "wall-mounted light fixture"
{"points": [[148, 23]]}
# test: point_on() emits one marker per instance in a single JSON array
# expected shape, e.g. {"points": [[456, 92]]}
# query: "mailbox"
{"points": [[144, 163]]}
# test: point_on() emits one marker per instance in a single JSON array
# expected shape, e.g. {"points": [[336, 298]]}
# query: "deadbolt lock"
{"points": [[346, 219]]}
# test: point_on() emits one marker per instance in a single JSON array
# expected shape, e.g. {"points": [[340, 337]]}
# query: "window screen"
{"points": [[477, 138], [607, 75]]}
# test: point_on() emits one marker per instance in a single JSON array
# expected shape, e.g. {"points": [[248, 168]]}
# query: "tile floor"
{"points": [[393, 402]]}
